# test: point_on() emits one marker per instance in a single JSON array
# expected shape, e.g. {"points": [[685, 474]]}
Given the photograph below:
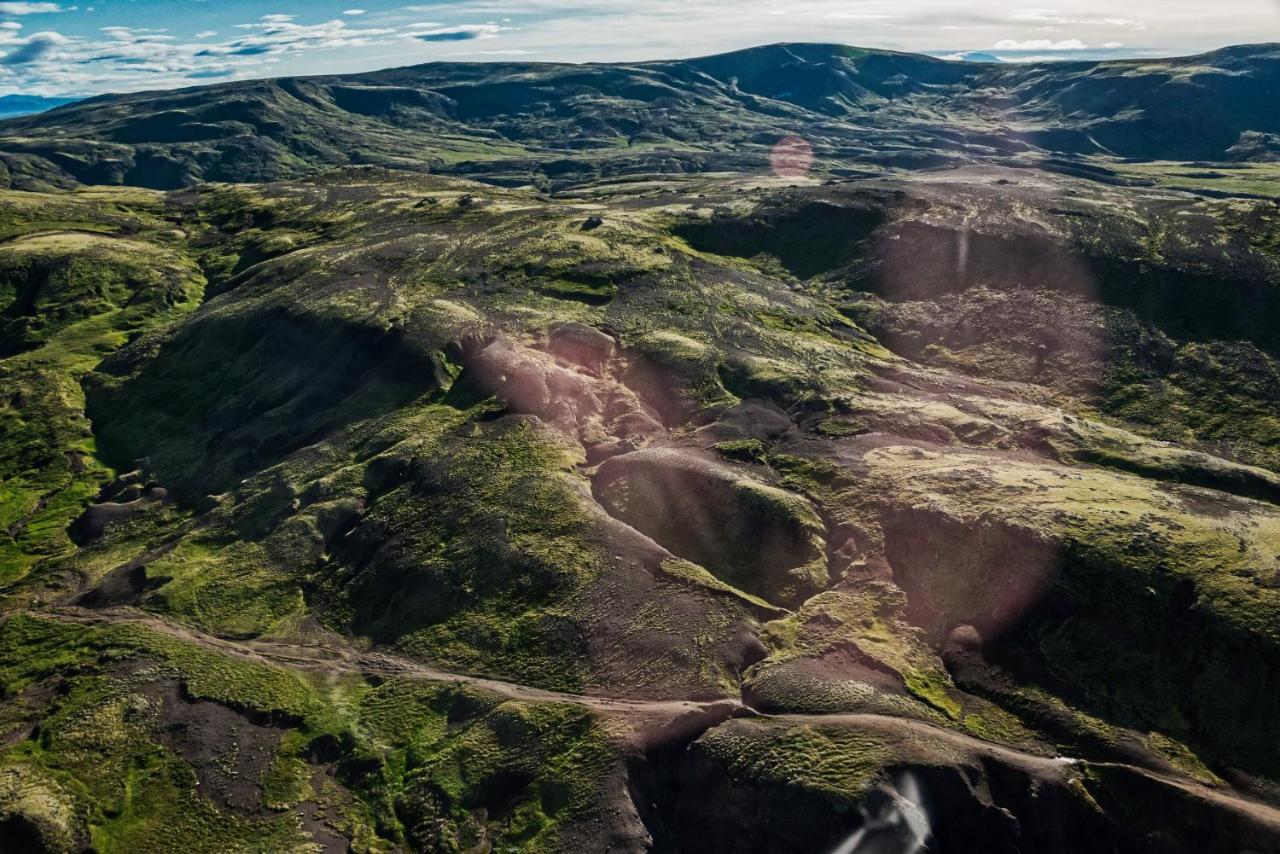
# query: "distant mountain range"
{"points": [[24, 105], [517, 123]]}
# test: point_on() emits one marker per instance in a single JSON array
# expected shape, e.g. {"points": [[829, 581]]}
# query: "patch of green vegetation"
{"points": [[592, 293], [869, 628], [286, 782], [1075, 730], [691, 572], [1216, 395], [842, 762], [555, 753], [1257, 223], [100, 745], [232, 588], [437, 766], [67, 299], [493, 542], [1262, 179], [1151, 603], [678, 374], [992, 723], [839, 428], [160, 810], [741, 450], [806, 475], [771, 379]]}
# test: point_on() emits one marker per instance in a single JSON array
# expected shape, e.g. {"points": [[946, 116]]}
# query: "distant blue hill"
{"points": [[25, 105], [968, 56]]}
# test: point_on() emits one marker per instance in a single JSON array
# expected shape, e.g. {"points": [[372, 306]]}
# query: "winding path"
{"points": [[668, 719]]}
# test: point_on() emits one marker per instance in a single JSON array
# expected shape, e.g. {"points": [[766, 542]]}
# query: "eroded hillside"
{"points": [[397, 512]]}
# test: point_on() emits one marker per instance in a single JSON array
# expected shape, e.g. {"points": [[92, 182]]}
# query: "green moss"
{"points": [[593, 293], [523, 769], [691, 572], [1215, 394], [806, 475], [996, 725], [286, 782], [161, 813], [870, 625], [229, 588], [741, 450], [678, 371], [65, 302], [843, 762], [1131, 558], [498, 541], [403, 711], [839, 428], [556, 750], [99, 742]]}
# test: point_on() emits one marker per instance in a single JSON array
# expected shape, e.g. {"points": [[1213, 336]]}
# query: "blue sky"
{"points": [[62, 48]]}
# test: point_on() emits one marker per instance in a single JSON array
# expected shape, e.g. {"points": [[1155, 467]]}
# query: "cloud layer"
{"points": [[123, 58]]}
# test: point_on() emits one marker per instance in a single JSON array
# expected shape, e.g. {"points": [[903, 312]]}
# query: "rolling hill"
{"points": [[550, 124]]}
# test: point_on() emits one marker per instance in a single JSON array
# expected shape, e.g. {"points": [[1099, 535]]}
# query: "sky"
{"points": [[77, 49]]}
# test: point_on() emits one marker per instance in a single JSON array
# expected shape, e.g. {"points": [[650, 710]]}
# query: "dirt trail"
{"points": [[1224, 799], [331, 658], [664, 719]]}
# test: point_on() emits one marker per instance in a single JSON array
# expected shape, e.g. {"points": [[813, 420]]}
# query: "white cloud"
{"points": [[135, 34], [850, 15], [456, 34], [488, 53], [36, 47], [1041, 44], [1053, 16], [28, 8], [135, 57], [278, 34], [354, 12]]}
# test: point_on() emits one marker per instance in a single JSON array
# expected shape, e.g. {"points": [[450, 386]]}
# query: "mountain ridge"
{"points": [[13, 106], [518, 123]]}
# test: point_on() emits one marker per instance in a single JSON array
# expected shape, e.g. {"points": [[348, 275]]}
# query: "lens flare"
{"points": [[791, 157]]}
